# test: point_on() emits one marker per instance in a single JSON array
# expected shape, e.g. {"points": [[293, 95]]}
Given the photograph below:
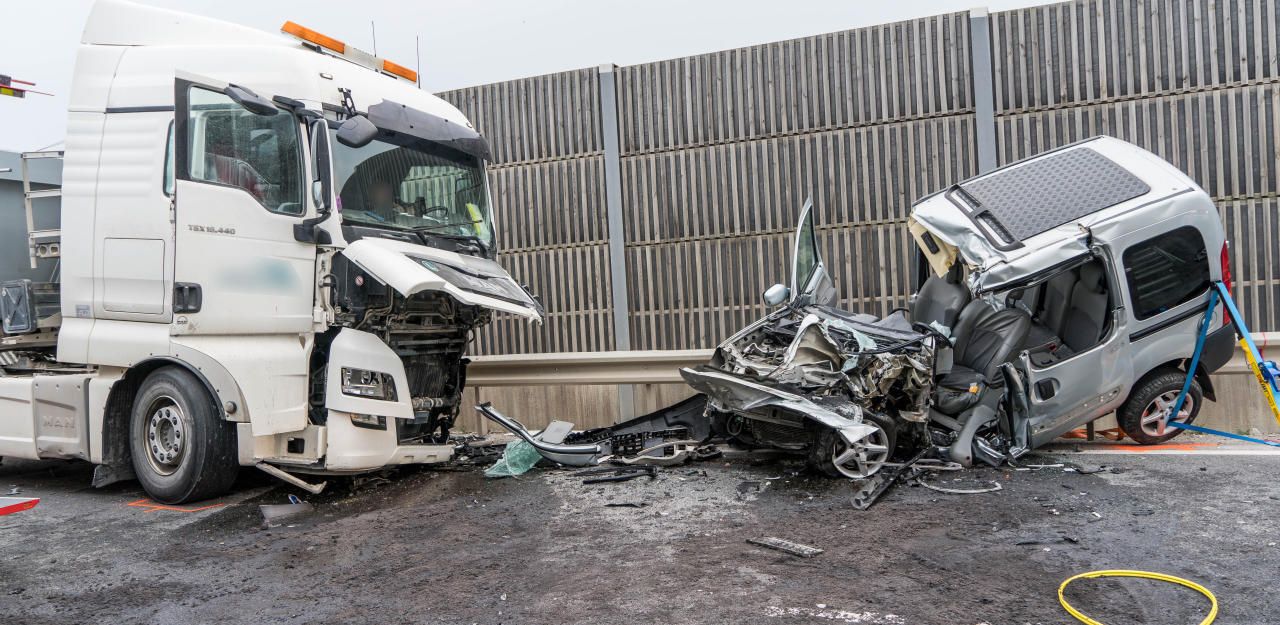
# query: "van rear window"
{"points": [[1166, 270]]}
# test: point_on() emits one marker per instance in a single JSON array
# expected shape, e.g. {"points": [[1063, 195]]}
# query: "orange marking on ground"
{"points": [[1138, 449], [150, 506]]}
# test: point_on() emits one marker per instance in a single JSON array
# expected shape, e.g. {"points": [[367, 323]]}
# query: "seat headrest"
{"points": [[1091, 277]]}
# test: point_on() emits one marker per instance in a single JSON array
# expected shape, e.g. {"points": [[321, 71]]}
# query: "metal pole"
{"points": [[31, 220], [984, 108], [617, 234]]}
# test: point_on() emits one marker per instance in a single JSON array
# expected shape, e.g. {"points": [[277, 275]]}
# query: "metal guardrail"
{"points": [[631, 367], [658, 366]]}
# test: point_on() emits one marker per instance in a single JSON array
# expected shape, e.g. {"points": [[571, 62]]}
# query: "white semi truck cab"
{"points": [[274, 251]]}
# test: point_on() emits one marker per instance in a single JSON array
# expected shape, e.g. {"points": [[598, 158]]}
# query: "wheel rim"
{"points": [[166, 435], [862, 458], [1156, 414]]}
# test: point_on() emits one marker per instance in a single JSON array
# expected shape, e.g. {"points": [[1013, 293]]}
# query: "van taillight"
{"points": [[1226, 280]]}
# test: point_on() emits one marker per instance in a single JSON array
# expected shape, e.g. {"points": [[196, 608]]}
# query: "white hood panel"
{"points": [[472, 281]]}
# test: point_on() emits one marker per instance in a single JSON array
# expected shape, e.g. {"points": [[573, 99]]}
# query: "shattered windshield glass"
{"points": [[413, 184]]}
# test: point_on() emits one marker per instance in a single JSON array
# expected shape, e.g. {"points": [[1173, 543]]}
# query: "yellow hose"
{"points": [[1213, 601]]}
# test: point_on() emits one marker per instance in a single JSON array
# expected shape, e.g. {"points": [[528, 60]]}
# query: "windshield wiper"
{"points": [[477, 244], [452, 225]]}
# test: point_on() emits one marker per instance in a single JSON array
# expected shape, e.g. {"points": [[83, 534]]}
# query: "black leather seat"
{"points": [[940, 299], [984, 339]]}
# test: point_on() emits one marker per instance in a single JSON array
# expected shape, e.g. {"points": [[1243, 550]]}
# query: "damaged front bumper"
{"points": [[553, 450], [734, 394], [669, 436]]}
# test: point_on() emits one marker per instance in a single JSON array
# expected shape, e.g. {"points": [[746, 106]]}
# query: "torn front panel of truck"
{"points": [[410, 268]]}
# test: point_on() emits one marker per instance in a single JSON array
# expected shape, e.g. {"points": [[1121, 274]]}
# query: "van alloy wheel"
{"points": [[1157, 412], [863, 458]]}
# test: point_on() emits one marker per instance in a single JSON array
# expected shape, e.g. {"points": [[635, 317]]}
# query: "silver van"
{"points": [[1052, 291]]}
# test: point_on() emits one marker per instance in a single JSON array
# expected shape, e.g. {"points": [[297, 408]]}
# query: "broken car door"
{"points": [[810, 283]]}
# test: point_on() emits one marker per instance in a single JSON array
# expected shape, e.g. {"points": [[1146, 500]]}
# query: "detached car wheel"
{"points": [[835, 457], [182, 448], [1141, 415]]}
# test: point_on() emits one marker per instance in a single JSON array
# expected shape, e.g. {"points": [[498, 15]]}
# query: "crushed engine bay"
{"points": [[844, 387]]}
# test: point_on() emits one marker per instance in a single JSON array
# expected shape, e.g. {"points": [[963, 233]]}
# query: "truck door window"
{"points": [[234, 147], [1166, 270]]}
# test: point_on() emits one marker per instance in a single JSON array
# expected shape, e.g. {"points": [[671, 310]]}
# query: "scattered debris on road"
{"points": [[995, 486], [786, 546], [10, 505], [275, 515], [601, 475]]}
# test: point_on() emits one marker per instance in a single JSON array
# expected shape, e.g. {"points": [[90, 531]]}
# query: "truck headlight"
{"points": [[368, 421], [370, 384]]}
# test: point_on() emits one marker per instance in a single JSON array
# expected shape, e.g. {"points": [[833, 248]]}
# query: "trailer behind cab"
{"points": [[274, 250]]}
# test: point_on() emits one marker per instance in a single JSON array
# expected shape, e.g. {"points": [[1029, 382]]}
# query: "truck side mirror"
{"points": [[317, 194], [251, 101], [321, 185], [356, 132], [776, 294]]}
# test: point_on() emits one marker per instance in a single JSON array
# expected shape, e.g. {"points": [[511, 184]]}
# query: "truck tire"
{"points": [[828, 445], [182, 448], [1138, 415]]}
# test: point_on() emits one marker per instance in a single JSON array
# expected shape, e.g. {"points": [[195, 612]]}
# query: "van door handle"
{"points": [[187, 297]]}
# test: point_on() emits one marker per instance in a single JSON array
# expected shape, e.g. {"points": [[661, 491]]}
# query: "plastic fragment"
{"points": [[516, 459]]}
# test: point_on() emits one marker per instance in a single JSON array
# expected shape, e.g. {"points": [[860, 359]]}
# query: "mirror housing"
{"points": [[356, 132], [251, 101], [318, 196], [776, 294]]}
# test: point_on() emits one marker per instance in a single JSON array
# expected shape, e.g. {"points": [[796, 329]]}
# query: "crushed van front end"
{"points": [[846, 388]]}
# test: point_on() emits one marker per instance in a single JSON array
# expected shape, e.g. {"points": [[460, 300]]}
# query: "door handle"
{"points": [[187, 297]]}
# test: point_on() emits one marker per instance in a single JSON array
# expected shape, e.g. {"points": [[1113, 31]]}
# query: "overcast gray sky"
{"points": [[464, 42]]}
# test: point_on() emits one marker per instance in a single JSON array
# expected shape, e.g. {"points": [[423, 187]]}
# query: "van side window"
{"points": [[168, 164], [1166, 270], [234, 147]]}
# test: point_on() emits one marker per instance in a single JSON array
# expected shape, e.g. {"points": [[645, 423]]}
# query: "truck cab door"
{"points": [[810, 283], [241, 187]]}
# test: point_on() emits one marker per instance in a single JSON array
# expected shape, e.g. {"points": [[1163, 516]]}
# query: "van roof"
{"points": [[1045, 210]]}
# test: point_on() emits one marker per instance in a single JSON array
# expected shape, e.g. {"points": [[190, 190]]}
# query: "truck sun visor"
{"points": [[397, 117]]}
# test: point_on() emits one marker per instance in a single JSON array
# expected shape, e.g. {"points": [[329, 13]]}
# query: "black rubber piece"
{"points": [[1130, 414], [209, 464]]}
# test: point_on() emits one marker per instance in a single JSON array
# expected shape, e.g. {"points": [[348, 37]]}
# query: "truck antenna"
{"points": [[373, 31], [417, 50]]}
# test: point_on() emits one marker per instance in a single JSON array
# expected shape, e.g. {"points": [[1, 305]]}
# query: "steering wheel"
{"points": [[435, 209]]}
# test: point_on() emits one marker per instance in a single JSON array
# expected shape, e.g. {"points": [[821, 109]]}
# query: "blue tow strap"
{"points": [[1219, 290]]}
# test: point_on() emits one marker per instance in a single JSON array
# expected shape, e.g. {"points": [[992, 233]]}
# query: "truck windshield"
{"points": [[412, 184]]}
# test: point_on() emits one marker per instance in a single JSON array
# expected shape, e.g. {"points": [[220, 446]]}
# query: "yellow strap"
{"points": [[1262, 381], [1213, 609]]}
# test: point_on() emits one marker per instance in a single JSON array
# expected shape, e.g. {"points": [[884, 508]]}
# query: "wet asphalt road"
{"points": [[448, 546]]}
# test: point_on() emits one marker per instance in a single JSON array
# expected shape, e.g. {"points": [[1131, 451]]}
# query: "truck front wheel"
{"points": [[182, 448]]}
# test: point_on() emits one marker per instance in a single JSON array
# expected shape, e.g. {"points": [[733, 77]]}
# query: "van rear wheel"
{"points": [[182, 448], [1141, 415]]}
